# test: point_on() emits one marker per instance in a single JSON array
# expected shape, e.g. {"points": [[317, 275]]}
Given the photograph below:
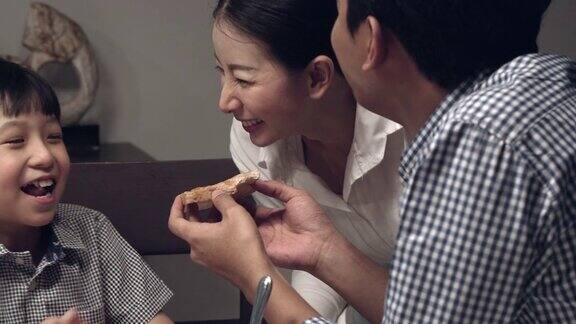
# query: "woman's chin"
{"points": [[262, 141]]}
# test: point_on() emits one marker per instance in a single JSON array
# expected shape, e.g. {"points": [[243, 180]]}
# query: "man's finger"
{"points": [[276, 190], [265, 212]]}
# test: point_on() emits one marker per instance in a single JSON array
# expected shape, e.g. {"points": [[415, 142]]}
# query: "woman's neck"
{"points": [[331, 125], [327, 143]]}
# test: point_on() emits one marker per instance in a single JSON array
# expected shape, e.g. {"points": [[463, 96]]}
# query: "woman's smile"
{"points": [[252, 125]]}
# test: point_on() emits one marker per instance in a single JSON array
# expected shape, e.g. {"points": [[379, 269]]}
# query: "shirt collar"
{"points": [[62, 237], [371, 134], [285, 157], [46, 230], [65, 236], [367, 151], [282, 156], [3, 250], [414, 151]]}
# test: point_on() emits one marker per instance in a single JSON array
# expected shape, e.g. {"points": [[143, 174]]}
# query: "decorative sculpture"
{"points": [[51, 36]]}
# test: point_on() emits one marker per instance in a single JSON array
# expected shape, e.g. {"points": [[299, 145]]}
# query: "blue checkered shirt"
{"points": [[488, 230], [87, 265]]}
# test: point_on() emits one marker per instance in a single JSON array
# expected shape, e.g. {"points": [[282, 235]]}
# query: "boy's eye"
{"points": [[15, 141], [56, 137]]}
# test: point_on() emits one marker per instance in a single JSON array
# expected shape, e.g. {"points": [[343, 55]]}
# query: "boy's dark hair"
{"points": [[295, 31], [451, 40], [23, 91]]}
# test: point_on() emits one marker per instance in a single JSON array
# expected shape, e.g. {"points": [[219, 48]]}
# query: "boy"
{"points": [[56, 257]]}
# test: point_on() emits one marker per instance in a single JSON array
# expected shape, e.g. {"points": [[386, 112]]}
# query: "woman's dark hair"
{"points": [[295, 31], [452, 40], [23, 91]]}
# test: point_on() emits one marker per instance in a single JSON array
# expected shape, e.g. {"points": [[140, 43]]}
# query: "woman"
{"points": [[296, 120]]}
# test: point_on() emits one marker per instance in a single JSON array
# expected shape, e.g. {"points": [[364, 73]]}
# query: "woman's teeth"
{"points": [[251, 122]]}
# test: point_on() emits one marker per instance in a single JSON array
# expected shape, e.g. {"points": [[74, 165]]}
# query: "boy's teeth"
{"points": [[44, 183]]}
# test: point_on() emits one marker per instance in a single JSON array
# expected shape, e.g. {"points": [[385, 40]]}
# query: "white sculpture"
{"points": [[51, 36]]}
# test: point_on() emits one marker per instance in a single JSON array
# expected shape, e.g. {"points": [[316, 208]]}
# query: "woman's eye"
{"points": [[242, 83]]}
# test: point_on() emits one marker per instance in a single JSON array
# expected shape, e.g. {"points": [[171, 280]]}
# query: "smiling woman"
{"points": [[296, 120]]}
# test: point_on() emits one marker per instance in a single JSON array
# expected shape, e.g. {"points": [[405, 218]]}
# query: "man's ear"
{"points": [[377, 43], [320, 72]]}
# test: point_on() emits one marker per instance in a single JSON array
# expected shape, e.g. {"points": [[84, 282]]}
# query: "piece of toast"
{"points": [[237, 186]]}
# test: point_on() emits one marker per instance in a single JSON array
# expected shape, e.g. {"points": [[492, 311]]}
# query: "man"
{"points": [[488, 230]]}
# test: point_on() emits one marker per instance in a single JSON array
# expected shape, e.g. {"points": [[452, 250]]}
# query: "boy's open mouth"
{"points": [[39, 188]]}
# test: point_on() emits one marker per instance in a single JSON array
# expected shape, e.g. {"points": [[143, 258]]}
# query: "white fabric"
{"points": [[366, 213]]}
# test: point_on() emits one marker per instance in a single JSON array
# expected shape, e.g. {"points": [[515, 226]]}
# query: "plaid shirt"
{"points": [[488, 229], [88, 265]]}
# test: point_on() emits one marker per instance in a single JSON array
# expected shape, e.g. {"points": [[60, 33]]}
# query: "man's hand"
{"points": [[298, 235], [70, 317], [231, 247]]}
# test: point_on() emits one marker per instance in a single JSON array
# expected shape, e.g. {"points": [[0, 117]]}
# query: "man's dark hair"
{"points": [[23, 91], [294, 31], [452, 40]]}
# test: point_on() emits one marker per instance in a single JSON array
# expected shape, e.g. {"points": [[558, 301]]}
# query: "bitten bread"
{"points": [[237, 186]]}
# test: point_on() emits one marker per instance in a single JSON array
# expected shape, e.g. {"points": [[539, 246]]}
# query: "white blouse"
{"points": [[366, 213]]}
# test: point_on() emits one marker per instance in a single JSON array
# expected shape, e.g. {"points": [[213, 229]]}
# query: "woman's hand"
{"points": [[299, 235], [231, 247]]}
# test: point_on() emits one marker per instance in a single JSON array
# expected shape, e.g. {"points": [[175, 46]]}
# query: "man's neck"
{"points": [[420, 107], [400, 91], [410, 102]]}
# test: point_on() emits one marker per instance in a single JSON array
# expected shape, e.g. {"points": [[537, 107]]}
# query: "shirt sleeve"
{"points": [[464, 247], [325, 300], [133, 293]]}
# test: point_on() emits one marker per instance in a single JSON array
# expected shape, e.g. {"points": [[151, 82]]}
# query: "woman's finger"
{"points": [[177, 223], [224, 203]]}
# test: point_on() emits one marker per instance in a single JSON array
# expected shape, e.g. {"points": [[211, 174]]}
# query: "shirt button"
{"points": [[32, 285], [19, 261]]}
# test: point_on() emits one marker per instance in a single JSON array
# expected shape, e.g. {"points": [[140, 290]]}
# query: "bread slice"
{"points": [[237, 186]]}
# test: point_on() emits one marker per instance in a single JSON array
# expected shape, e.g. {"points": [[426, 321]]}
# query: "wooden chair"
{"points": [[136, 197]]}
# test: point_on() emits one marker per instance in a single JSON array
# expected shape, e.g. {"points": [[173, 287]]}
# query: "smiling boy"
{"points": [[56, 257]]}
